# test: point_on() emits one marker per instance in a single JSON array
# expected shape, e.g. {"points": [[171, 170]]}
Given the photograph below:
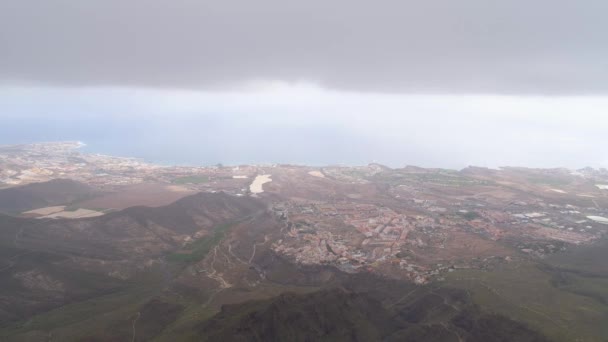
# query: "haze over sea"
{"points": [[306, 124], [195, 141]]}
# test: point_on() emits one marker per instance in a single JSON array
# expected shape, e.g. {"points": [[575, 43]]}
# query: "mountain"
{"points": [[328, 315], [346, 254], [48, 263], [45, 194], [341, 315]]}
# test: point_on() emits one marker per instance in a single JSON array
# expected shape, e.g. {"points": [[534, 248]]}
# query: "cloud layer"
{"points": [[432, 46]]}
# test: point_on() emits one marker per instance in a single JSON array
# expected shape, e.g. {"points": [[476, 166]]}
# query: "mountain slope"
{"points": [[331, 315], [39, 195], [341, 315], [47, 263]]}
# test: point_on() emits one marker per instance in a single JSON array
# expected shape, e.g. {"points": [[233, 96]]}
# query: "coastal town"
{"points": [[411, 223], [31, 163]]}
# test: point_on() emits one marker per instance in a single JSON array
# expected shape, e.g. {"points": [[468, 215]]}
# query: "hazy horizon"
{"points": [[435, 84], [306, 124]]}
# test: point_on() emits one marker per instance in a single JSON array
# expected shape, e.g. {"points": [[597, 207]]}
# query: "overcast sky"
{"points": [[478, 46], [434, 83]]}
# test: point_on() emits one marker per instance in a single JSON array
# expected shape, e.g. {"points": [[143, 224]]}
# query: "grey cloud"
{"points": [[431, 46]]}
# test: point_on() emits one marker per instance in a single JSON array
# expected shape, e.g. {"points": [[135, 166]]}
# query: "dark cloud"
{"points": [[433, 46]]}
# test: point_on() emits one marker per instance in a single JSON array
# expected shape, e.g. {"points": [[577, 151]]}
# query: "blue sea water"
{"points": [[194, 141]]}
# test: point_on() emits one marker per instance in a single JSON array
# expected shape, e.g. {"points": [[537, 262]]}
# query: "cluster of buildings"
{"points": [[420, 217], [24, 164], [356, 237]]}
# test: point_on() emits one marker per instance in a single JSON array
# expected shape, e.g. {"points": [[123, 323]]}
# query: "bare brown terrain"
{"points": [[146, 194], [187, 241]]}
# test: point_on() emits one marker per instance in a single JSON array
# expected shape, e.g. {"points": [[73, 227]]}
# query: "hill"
{"points": [[341, 315], [39, 195], [48, 263]]}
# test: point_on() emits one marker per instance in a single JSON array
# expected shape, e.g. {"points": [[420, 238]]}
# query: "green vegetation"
{"points": [[79, 319], [184, 328], [191, 180], [421, 314], [470, 215], [198, 249], [549, 180], [564, 307], [442, 178]]}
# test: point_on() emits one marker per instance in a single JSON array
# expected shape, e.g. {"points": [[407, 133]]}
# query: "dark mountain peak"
{"points": [[327, 315]]}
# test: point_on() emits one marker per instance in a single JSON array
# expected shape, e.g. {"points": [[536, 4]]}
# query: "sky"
{"points": [[433, 83]]}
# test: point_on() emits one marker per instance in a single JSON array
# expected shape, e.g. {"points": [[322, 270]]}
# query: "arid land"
{"points": [[229, 234]]}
